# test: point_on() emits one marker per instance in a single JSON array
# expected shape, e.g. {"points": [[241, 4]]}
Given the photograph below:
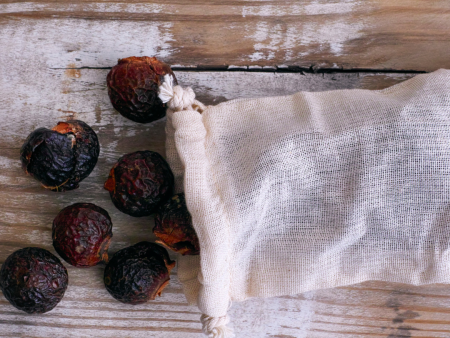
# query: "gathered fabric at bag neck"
{"points": [[182, 102], [312, 190]]}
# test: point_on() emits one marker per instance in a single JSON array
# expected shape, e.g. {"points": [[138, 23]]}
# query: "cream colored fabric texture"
{"points": [[315, 190]]}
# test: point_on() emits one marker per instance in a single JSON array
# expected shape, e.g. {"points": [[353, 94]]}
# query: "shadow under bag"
{"points": [[313, 190]]}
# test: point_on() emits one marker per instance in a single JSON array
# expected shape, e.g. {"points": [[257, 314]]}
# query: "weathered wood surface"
{"points": [[34, 97], [50, 59], [350, 34]]}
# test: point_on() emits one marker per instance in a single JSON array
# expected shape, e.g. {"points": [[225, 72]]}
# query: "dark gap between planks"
{"points": [[275, 69]]}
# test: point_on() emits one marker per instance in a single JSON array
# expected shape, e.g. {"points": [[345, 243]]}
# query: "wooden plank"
{"points": [[31, 97], [350, 34]]}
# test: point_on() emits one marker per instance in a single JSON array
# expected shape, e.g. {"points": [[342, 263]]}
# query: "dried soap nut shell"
{"points": [[138, 273], [49, 157], [173, 227], [133, 88], [33, 280], [86, 151], [140, 182], [82, 233], [62, 157]]}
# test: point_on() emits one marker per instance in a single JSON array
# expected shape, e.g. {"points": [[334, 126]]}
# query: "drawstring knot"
{"points": [[215, 327], [177, 97]]}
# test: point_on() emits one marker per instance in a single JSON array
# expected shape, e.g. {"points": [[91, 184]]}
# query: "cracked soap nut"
{"points": [[140, 182], [82, 233], [173, 226], [138, 273], [33, 280], [62, 157], [133, 88]]}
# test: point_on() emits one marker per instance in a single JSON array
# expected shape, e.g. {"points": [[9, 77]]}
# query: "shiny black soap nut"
{"points": [[48, 156], [33, 280], [138, 273], [61, 157], [139, 183], [86, 150]]}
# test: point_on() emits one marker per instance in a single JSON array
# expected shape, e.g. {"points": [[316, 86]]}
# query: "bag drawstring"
{"points": [[216, 327], [178, 98]]}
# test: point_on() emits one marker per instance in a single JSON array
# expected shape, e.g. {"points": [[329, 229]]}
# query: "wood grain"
{"points": [[348, 34], [47, 50], [31, 97]]}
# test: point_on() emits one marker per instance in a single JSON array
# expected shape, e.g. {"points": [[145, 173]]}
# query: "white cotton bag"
{"points": [[313, 190]]}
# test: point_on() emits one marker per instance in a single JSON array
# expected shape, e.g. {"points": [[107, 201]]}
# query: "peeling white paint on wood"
{"points": [[376, 34], [85, 43], [315, 7], [318, 7], [336, 28], [5, 162], [22, 7], [333, 36]]}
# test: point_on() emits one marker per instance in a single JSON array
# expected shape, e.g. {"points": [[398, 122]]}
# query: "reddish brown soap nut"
{"points": [[173, 227], [82, 233], [133, 88], [138, 273], [62, 157], [33, 280], [140, 182]]}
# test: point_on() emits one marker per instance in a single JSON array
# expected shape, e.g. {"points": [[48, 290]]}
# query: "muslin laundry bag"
{"points": [[313, 190]]}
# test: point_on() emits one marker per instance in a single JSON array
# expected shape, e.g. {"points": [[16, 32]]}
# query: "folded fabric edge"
{"points": [[205, 206]]}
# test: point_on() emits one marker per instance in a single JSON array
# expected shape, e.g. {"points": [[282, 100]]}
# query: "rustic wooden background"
{"points": [[54, 57]]}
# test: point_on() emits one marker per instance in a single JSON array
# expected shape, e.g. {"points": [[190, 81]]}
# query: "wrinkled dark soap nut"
{"points": [[138, 273], [49, 157], [133, 88], [33, 280], [140, 182], [82, 233], [173, 226], [62, 157]]}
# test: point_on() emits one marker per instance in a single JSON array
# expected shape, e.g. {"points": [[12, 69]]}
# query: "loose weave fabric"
{"points": [[315, 190]]}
